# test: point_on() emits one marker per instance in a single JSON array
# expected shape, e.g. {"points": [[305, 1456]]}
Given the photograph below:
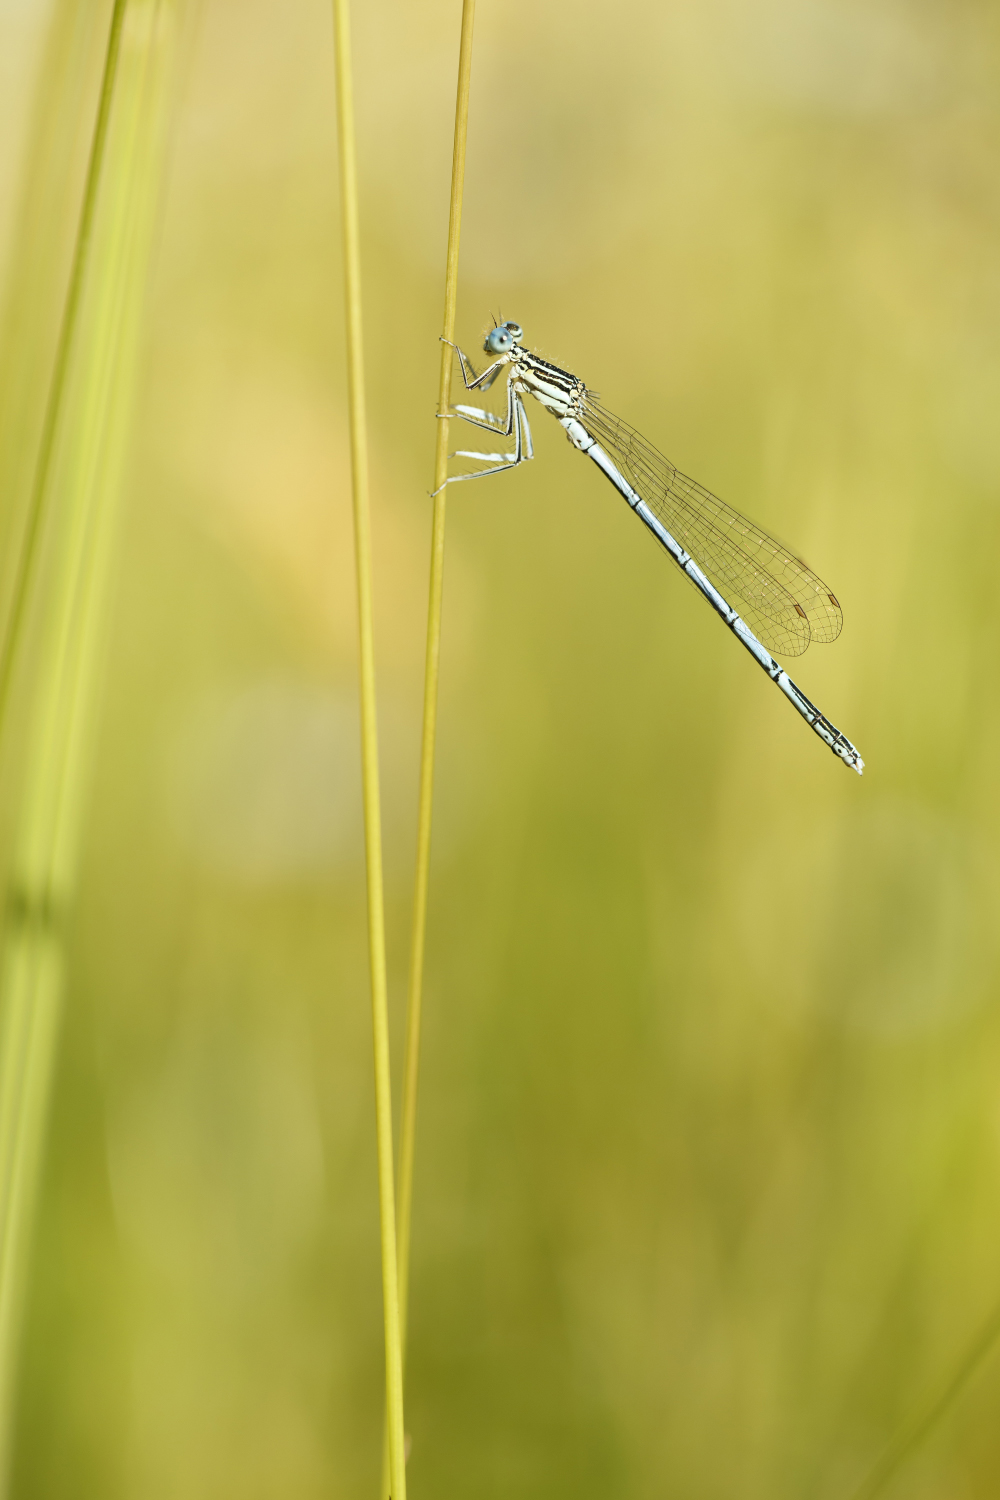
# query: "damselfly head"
{"points": [[502, 339]]}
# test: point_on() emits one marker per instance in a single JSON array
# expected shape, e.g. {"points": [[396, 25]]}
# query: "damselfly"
{"points": [[720, 551]]}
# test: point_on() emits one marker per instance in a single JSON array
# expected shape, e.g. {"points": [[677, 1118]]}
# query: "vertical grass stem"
{"points": [[369, 747], [411, 1064], [415, 986]]}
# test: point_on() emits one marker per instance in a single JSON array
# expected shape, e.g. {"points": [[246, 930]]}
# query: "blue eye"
{"points": [[498, 340]]}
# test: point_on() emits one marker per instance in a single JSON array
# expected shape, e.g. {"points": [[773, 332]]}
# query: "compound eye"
{"points": [[498, 340]]}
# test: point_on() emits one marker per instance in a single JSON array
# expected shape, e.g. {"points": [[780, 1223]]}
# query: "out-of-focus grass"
{"points": [[59, 557], [708, 1171]]}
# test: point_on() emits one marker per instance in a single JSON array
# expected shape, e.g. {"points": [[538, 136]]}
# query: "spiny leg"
{"points": [[517, 422], [478, 382], [476, 416], [526, 430], [498, 462]]}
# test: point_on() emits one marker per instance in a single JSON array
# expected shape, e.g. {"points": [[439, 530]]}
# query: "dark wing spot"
{"points": [[833, 601], [799, 610]]}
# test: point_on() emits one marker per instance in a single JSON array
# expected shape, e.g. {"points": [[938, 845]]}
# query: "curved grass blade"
{"points": [[68, 613]]}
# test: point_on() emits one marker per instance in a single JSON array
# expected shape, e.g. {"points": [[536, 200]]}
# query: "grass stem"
{"points": [[85, 435], [411, 1066], [369, 747], [61, 363], [414, 998]]}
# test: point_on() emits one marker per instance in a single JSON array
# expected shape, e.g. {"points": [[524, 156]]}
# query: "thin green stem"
{"points": [[61, 363], [431, 671], [414, 999], [369, 746]]}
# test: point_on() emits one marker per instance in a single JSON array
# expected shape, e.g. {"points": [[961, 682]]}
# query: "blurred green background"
{"points": [[708, 1184]]}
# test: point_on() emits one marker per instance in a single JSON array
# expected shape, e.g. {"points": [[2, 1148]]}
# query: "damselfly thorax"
{"points": [[557, 390]]}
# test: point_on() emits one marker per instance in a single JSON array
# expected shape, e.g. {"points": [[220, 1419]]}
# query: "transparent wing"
{"points": [[782, 600]]}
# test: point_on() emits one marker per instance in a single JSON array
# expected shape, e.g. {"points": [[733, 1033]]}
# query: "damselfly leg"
{"points": [[514, 424], [477, 382]]}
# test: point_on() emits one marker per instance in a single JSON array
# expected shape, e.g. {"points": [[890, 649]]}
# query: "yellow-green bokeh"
{"points": [[708, 1183]]}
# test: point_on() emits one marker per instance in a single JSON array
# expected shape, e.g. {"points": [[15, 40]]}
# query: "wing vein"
{"points": [[783, 601]]}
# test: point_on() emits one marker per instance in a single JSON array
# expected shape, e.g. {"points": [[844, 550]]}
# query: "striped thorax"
{"points": [[557, 390]]}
